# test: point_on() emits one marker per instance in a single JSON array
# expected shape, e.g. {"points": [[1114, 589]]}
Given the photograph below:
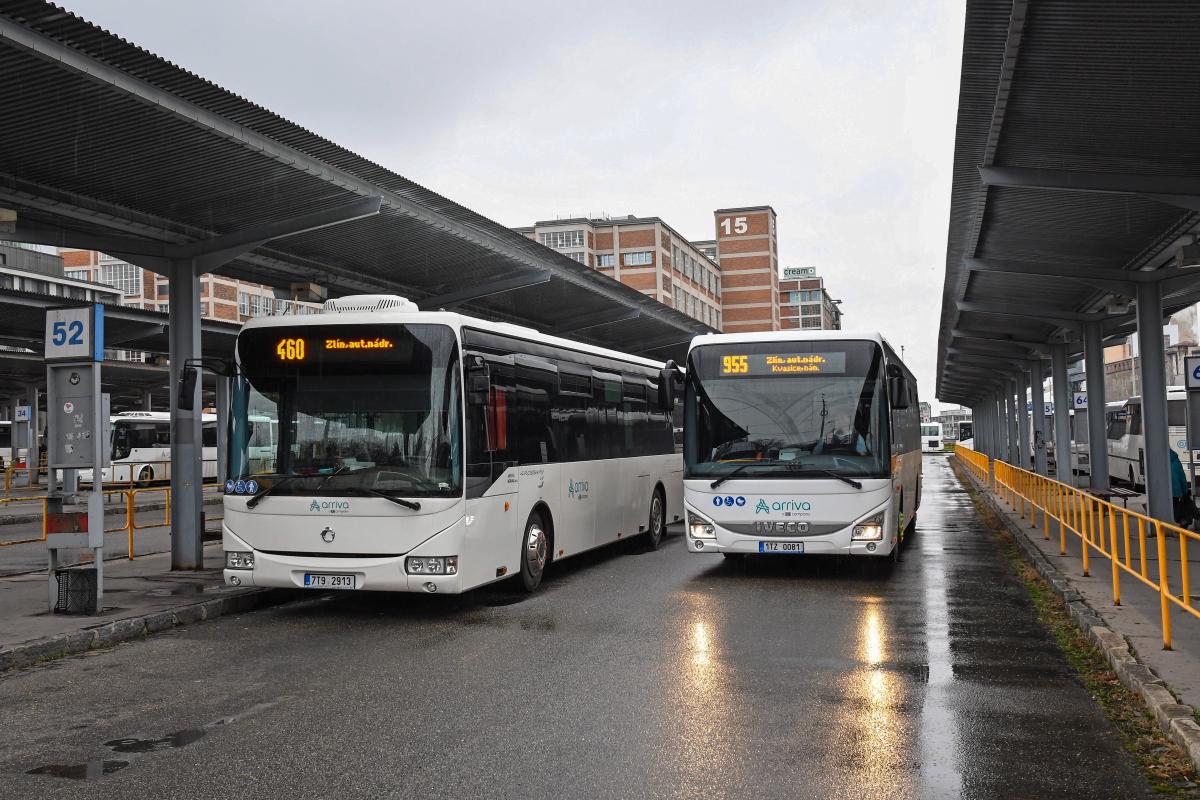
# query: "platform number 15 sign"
{"points": [[75, 333]]}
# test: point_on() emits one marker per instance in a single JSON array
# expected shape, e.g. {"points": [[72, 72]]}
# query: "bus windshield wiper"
{"points": [[400, 501], [831, 473], [279, 484], [731, 473]]}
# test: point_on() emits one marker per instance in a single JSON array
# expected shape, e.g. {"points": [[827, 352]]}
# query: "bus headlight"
{"points": [[431, 565], [869, 529], [699, 527], [236, 559]]}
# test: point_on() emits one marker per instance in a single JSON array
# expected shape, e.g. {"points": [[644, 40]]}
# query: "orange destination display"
{"points": [[765, 365]]}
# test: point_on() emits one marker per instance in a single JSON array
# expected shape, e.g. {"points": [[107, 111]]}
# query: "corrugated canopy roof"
{"points": [[100, 139], [1075, 162]]}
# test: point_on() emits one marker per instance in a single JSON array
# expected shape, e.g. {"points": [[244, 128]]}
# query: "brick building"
{"points": [[804, 302], [729, 283], [748, 253], [220, 297]]}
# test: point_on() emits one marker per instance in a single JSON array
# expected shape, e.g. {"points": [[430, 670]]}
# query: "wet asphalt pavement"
{"points": [[629, 675]]}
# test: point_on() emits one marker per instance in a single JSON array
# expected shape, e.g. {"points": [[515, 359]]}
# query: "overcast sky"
{"points": [[838, 114]]}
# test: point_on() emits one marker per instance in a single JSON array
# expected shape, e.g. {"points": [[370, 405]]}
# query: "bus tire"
{"points": [[146, 475], [535, 552], [657, 524]]}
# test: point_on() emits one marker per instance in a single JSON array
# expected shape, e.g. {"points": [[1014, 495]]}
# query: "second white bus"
{"points": [[800, 442], [141, 448]]}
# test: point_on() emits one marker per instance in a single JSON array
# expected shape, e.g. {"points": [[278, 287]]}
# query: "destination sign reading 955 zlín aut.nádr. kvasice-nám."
{"points": [[767, 365]]}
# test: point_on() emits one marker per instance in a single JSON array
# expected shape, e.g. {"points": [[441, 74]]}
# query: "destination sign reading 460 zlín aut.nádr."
{"points": [[771, 364], [295, 348]]}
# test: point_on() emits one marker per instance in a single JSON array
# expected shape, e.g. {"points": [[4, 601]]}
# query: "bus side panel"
{"points": [[575, 512], [492, 541]]}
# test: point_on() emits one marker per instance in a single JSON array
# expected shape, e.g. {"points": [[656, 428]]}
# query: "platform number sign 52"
{"points": [[732, 225], [75, 333], [1192, 366]]}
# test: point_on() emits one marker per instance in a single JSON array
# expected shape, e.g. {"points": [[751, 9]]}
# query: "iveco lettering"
{"points": [[452, 452], [817, 431]]}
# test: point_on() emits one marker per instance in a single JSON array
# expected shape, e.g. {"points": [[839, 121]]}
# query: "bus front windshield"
{"points": [[786, 410], [348, 410]]}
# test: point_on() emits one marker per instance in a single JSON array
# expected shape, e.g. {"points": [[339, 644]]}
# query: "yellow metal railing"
{"points": [[975, 461], [1102, 529], [129, 499]]}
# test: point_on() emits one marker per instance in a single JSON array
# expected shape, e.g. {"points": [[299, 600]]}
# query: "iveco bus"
{"points": [[429, 451], [799, 442]]}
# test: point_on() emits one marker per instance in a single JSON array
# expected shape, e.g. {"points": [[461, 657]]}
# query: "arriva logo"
{"points": [[763, 507], [332, 506], [577, 489]]}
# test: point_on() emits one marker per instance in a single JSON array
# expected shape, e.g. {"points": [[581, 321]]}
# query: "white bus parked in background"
{"points": [[6, 448], [1127, 441], [931, 437], [800, 442], [141, 448], [429, 451]]}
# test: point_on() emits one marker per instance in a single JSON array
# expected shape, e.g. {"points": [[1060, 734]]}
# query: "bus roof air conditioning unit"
{"points": [[368, 302]]}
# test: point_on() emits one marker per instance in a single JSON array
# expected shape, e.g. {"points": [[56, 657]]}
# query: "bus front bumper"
{"points": [[834, 544], [371, 573]]}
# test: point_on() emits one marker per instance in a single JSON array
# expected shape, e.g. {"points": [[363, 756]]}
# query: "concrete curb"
{"points": [[107, 634], [1176, 719]]}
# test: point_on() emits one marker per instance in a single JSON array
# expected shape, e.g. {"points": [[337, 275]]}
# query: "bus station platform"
{"points": [[141, 597]]}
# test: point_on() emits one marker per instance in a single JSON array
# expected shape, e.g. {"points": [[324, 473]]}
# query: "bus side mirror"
{"points": [[667, 378], [898, 392], [187, 388], [479, 381]]}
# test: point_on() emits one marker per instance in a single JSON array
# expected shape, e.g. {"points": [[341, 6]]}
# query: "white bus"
{"points": [[141, 448], [931, 437], [6, 448], [800, 442], [430, 451], [1127, 442]]}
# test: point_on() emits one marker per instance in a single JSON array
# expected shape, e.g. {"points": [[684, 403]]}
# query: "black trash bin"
{"points": [[76, 590]]}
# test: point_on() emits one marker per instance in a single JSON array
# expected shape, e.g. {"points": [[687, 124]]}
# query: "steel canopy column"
{"points": [[1152, 366], [1062, 415], [1038, 416], [147, 400], [1093, 358], [187, 549], [1015, 406], [33, 458], [1023, 420]]}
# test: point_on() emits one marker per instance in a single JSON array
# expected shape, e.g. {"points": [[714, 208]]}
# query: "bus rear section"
{"points": [[931, 437], [799, 445]]}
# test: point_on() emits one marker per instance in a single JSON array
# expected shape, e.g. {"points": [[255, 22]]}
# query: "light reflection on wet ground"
{"points": [[630, 675]]}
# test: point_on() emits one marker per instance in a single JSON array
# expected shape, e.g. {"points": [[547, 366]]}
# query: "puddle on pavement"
{"points": [[168, 742], [88, 771], [182, 590]]}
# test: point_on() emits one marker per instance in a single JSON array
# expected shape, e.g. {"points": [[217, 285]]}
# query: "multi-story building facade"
{"points": [[748, 254], [220, 297], [643, 252], [729, 283], [804, 302], [32, 269]]}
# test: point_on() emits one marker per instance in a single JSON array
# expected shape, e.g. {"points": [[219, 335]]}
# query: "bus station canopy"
{"points": [[108, 147], [24, 325], [1076, 175]]}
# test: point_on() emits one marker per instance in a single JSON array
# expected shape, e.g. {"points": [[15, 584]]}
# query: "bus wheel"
{"points": [[146, 475], [535, 552], [657, 524]]}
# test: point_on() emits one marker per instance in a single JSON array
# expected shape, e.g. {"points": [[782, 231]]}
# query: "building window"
{"points": [[125, 277], [606, 260], [243, 304], [813, 310], [642, 258], [562, 239], [810, 322], [77, 274], [579, 256]]}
